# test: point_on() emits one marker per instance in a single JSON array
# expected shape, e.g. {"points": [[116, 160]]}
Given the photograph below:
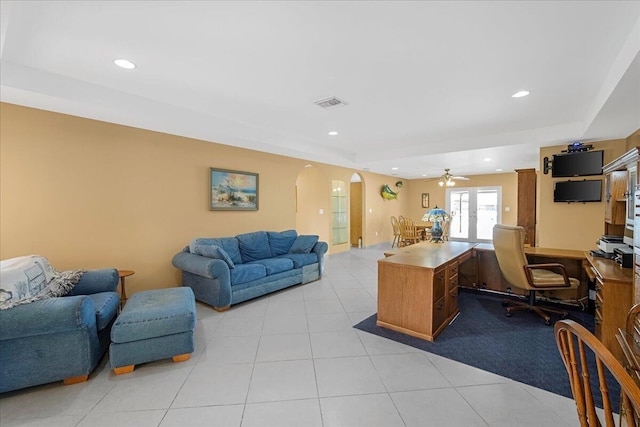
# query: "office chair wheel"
{"points": [[547, 322], [508, 314]]}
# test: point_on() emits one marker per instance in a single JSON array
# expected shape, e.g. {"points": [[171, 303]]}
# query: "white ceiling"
{"points": [[428, 84]]}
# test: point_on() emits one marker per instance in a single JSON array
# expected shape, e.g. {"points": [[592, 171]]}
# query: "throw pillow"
{"points": [[23, 279], [215, 252], [303, 244], [280, 242], [254, 246]]}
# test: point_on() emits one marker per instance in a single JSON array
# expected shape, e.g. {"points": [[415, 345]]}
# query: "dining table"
{"points": [[424, 230]]}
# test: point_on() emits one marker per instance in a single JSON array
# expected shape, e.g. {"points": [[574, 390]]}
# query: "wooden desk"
{"points": [[489, 276], [418, 287]]}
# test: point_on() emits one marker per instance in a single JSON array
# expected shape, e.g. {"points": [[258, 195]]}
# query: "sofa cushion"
{"points": [[300, 260], [254, 246], [275, 265], [229, 244], [247, 272], [215, 252], [280, 242], [303, 244], [106, 305]]}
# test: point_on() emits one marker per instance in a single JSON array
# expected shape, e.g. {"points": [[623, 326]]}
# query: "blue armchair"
{"points": [[60, 338]]}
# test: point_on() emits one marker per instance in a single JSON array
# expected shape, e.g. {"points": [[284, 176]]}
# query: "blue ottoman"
{"points": [[153, 325]]}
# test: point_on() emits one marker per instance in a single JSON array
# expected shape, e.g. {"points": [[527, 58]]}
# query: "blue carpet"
{"points": [[520, 347]]}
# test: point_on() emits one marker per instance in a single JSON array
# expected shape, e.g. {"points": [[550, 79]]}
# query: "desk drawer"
{"points": [[453, 282], [452, 302], [439, 277], [453, 268], [439, 313]]}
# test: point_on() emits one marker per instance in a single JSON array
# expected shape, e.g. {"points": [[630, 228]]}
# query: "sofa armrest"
{"points": [[202, 266], [320, 248], [96, 281], [47, 316]]}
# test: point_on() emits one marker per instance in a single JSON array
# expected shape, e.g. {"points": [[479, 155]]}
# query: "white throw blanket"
{"points": [[31, 278]]}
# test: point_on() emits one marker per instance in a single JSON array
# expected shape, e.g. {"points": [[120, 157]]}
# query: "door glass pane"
{"points": [[459, 202], [487, 213], [339, 213]]}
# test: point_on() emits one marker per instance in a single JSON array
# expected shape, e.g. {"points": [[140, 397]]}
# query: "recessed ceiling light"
{"points": [[520, 94], [424, 174], [333, 133], [498, 170], [394, 169], [124, 63], [487, 159]]}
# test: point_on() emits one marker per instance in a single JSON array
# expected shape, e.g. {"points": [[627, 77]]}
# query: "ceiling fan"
{"points": [[448, 180]]}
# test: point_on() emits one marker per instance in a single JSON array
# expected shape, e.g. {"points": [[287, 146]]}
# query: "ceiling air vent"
{"points": [[332, 102]]}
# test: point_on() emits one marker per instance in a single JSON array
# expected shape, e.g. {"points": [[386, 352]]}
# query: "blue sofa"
{"points": [[60, 338], [229, 270]]}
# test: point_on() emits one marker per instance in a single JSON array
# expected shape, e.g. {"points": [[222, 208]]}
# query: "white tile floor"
{"points": [[293, 359]]}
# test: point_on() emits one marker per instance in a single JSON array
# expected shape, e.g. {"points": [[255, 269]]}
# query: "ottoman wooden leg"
{"points": [[75, 380], [124, 369], [181, 358], [221, 309]]}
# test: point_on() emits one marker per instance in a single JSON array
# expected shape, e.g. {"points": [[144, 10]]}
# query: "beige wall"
{"points": [[90, 194], [571, 225], [437, 195]]}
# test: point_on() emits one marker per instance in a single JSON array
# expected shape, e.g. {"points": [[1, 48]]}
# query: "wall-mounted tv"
{"points": [[580, 163], [578, 191]]}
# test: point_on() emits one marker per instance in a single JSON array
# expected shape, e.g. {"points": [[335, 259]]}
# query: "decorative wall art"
{"points": [[233, 190], [425, 200], [387, 193]]}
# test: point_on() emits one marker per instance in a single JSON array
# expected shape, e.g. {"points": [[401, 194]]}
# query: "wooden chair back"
{"points": [[408, 232], [573, 340], [629, 340], [395, 225], [445, 230]]}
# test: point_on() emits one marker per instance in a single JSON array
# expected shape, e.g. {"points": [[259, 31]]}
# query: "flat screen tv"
{"points": [[578, 191], [580, 163]]}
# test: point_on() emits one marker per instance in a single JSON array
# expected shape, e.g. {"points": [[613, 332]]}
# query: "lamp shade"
{"points": [[436, 215]]}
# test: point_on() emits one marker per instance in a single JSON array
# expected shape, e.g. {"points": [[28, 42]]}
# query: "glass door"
{"points": [[474, 211]]}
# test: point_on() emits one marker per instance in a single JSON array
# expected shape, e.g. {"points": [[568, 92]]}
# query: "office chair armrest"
{"points": [[552, 266]]}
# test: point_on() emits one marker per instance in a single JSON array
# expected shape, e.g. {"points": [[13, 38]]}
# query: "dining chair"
{"points": [[629, 340], [445, 230], [395, 224], [573, 340], [408, 232]]}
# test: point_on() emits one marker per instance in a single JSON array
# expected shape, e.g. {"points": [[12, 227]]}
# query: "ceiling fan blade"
{"points": [[461, 178]]}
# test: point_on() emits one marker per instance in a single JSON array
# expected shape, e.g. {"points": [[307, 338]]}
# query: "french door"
{"points": [[474, 211]]}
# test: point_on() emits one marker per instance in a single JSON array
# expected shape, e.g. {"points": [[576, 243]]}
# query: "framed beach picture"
{"points": [[233, 190], [425, 200]]}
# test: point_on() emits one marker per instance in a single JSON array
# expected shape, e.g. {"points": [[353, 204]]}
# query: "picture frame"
{"points": [[425, 200], [231, 190]]}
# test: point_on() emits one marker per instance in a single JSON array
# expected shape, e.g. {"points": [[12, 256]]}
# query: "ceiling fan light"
{"points": [[441, 183]]}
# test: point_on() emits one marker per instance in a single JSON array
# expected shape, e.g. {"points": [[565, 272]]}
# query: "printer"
{"points": [[624, 256], [609, 243]]}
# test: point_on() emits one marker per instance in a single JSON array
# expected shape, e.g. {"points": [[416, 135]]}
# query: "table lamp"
{"points": [[436, 216]]}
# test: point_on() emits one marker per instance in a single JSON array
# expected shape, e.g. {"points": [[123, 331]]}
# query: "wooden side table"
{"points": [[123, 292]]}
